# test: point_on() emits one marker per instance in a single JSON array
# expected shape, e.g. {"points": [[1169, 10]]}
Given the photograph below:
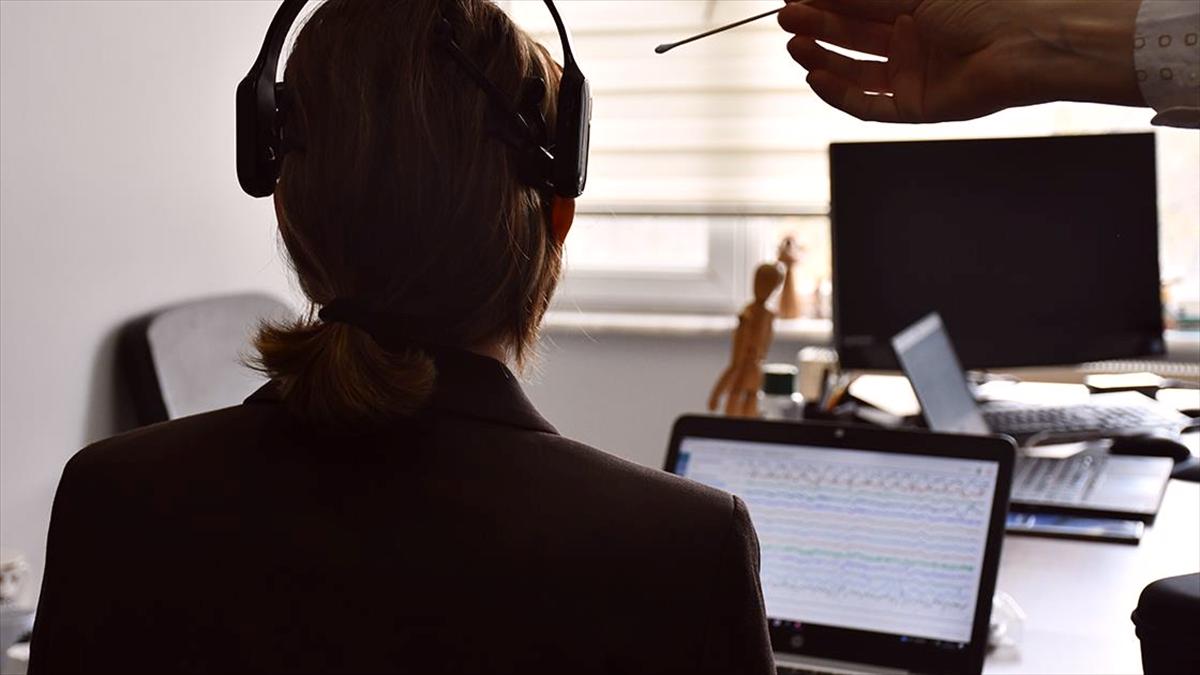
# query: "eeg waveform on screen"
{"points": [[860, 539]]}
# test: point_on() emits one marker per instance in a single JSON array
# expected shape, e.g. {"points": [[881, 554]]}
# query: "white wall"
{"points": [[117, 195], [620, 393]]}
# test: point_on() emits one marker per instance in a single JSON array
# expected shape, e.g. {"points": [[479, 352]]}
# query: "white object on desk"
{"points": [[887, 392], [16, 660], [12, 571], [1035, 393], [1056, 450], [14, 623], [1180, 399]]}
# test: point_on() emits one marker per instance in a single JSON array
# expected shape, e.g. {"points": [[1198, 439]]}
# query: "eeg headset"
{"points": [[560, 167]]}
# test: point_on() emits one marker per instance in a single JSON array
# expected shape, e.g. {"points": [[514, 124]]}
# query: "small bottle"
{"points": [[778, 399]]}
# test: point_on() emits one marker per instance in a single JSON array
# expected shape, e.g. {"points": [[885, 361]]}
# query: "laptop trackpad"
{"points": [[1131, 484]]}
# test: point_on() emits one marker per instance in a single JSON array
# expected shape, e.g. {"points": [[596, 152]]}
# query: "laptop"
{"points": [[1091, 482], [879, 548]]}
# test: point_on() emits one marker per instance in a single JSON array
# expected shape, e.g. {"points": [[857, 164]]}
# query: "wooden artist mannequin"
{"points": [[790, 254], [741, 380]]}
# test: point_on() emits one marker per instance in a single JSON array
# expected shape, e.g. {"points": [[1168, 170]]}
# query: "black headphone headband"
{"points": [[560, 167]]}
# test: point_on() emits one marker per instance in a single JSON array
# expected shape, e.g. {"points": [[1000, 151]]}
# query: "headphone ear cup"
{"points": [[257, 165], [572, 135], [259, 147]]}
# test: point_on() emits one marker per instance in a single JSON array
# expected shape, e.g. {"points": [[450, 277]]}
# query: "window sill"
{"points": [[1181, 345], [565, 322]]}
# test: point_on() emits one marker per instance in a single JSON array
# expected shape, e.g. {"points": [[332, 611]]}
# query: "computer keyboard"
{"points": [[1024, 421], [1064, 481]]}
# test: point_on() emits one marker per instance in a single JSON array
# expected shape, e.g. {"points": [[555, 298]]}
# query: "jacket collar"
{"points": [[467, 385]]}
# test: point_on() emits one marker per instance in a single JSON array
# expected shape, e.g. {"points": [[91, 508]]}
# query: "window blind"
{"points": [[729, 120], [728, 125]]}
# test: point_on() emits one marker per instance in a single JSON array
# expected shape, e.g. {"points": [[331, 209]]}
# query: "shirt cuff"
{"points": [[1166, 52]]}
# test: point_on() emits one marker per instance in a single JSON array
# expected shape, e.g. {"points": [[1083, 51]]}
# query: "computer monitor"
{"points": [[1035, 251]]}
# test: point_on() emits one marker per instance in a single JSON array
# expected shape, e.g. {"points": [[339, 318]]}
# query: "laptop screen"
{"points": [[931, 364], [871, 541]]}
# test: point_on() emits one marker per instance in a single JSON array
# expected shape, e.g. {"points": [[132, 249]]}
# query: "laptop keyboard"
{"points": [[1045, 479], [1024, 421]]}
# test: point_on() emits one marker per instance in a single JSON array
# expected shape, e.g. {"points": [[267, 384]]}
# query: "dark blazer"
{"points": [[473, 539]]}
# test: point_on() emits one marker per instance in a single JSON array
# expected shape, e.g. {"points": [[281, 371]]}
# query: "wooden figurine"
{"points": [[742, 379], [790, 254]]}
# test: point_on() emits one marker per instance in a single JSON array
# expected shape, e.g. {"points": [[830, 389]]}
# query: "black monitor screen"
{"points": [[1036, 251]]}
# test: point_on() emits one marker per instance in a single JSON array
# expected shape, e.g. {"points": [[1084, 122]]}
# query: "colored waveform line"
{"points": [[866, 477], [868, 509], [801, 492], [784, 567], [895, 591], [856, 555], [876, 544], [899, 600], [937, 507], [808, 520]]}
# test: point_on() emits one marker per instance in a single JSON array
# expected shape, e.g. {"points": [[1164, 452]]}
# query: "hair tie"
{"points": [[391, 331], [347, 311]]}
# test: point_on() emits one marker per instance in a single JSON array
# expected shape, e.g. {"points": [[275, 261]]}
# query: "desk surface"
{"points": [[1078, 595]]}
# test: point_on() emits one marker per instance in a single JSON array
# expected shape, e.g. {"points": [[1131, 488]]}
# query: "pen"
{"points": [[666, 47]]}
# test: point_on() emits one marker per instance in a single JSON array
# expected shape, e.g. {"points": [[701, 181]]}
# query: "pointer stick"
{"points": [[664, 48]]}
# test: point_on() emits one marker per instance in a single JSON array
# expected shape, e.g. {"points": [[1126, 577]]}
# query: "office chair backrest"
{"points": [[189, 358]]}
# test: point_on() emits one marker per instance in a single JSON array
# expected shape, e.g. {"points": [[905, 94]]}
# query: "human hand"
{"points": [[790, 252], [962, 59]]}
